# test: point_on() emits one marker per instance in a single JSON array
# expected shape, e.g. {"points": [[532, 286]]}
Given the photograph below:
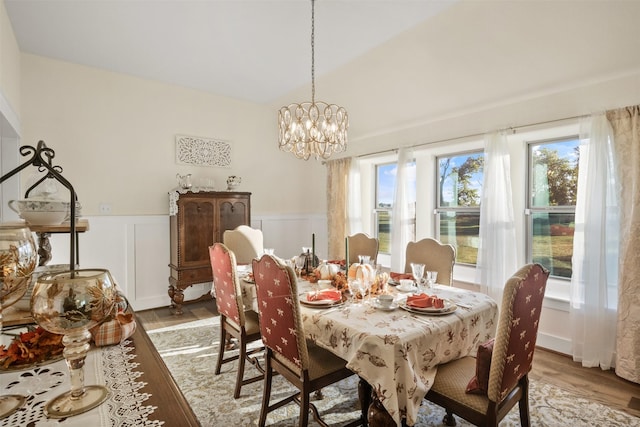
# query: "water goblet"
{"points": [[431, 277], [70, 303], [18, 258], [356, 286], [418, 272], [300, 260]]}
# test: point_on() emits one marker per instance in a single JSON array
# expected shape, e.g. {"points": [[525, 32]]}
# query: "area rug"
{"points": [[190, 352]]}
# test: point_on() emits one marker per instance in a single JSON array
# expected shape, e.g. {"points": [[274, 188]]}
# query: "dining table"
{"points": [[397, 350], [141, 388]]}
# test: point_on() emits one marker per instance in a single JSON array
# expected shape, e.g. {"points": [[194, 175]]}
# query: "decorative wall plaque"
{"points": [[193, 150]]}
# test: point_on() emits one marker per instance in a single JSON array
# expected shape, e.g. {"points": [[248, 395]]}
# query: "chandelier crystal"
{"points": [[313, 128]]}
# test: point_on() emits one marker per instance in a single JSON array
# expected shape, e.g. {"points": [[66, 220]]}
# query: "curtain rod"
{"points": [[511, 128]]}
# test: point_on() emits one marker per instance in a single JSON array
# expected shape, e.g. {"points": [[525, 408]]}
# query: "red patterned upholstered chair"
{"points": [[362, 244], [305, 365], [435, 256], [234, 320], [510, 364]]}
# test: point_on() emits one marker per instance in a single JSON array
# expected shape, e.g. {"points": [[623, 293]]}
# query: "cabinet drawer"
{"points": [[199, 275]]}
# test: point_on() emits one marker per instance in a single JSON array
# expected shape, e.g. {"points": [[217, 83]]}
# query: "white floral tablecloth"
{"points": [[397, 352], [111, 366]]}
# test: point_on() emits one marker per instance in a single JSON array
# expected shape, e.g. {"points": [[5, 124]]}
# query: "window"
{"points": [[551, 203], [385, 189], [458, 203]]}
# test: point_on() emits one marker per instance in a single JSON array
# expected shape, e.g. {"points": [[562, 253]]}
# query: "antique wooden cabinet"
{"points": [[199, 221]]}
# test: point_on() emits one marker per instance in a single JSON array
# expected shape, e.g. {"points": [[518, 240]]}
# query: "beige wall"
{"points": [[9, 72], [114, 135]]}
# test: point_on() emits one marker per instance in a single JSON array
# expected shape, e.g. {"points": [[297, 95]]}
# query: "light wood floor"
{"points": [[558, 369]]}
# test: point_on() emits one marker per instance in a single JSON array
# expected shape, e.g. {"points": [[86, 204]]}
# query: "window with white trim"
{"points": [[385, 177], [459, 192], [551, 203]]}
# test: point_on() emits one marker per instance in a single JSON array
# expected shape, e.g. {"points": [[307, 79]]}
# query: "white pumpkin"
{"points": [[363, 272], [328, 271]]}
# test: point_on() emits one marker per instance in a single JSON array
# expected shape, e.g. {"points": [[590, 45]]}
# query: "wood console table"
{"points": [[170, 407], [45, 231]]}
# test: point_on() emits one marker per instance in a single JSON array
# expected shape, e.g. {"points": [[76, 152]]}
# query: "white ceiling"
{"points": [[255, 50]]}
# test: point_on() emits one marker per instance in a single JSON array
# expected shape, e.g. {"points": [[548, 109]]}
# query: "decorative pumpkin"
{"points": [[328, 271], [363, 272]]}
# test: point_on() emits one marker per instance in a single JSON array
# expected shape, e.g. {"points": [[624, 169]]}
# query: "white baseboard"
{"points": [[554, 343]]}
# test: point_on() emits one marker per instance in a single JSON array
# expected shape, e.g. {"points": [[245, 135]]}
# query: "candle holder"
{"points": [[71, 303], [17, 262]]}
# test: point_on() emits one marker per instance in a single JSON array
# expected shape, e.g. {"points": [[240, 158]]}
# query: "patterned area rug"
{"points": [[190, 352]]}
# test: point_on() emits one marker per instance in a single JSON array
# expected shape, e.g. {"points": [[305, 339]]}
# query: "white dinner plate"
{"points": [[431, 311], [407, 290], [448, 305], [322, 303]]}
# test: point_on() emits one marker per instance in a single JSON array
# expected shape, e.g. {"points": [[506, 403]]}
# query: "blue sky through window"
{"points": [[387, 181]]}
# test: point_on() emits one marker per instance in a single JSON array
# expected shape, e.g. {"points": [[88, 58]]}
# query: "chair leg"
{"points": [[266, 394], [523, 403], [241, 360], [304, 408], [449, 419], [223, 339]]}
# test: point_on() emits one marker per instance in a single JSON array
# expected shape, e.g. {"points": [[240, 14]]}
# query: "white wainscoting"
{"points": [[135, 249]]}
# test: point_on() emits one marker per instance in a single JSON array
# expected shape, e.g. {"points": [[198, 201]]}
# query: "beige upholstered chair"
{"points": [[499, 386], [245, 242], [362, 244], [306, 366], [234, 321], [435, 256]]}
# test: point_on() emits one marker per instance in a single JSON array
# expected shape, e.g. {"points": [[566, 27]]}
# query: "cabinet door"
{"points": [[233, 212], [198, 231]]}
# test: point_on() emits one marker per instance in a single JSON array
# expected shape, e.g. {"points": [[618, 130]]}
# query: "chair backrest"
{"points": [[517, 329], [225, 281], [435, 256], [279, 312], [246, 243], [362, 244]]}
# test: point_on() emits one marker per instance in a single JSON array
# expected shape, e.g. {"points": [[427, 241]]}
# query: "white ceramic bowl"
{"points": [[41, 212]]}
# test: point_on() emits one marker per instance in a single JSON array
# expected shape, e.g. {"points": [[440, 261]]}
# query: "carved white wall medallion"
{"points": [[193, 150]]}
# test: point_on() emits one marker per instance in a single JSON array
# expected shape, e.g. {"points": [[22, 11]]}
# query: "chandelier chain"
{"points": [[313, 46]]}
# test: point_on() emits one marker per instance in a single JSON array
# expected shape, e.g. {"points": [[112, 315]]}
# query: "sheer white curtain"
{"points": [[401, 221], [354, 199], [497, 248], [594, 282]]}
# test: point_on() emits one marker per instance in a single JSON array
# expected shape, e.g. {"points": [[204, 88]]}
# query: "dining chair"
{"points": [[483, 390], [234, 320], [246, 243], [435, 256], [305, 365], [362, 244]]}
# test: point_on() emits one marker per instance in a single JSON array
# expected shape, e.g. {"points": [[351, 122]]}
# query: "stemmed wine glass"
{"points": [[71, 303], [299, 260], [418, 272], [432, 276], [17, 261]]}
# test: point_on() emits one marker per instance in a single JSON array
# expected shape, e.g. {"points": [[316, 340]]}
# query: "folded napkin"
{"points": [[325, 294], [424, 301], [399, 276]]}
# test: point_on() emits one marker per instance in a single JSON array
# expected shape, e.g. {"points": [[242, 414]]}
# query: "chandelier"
{"points": [[313, 128]]}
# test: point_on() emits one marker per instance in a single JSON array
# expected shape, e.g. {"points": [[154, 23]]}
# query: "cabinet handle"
{"points": [[233, 208]]}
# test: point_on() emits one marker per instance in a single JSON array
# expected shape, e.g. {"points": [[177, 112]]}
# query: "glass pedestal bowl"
{"points": [[18, 258], [70, 303]]}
